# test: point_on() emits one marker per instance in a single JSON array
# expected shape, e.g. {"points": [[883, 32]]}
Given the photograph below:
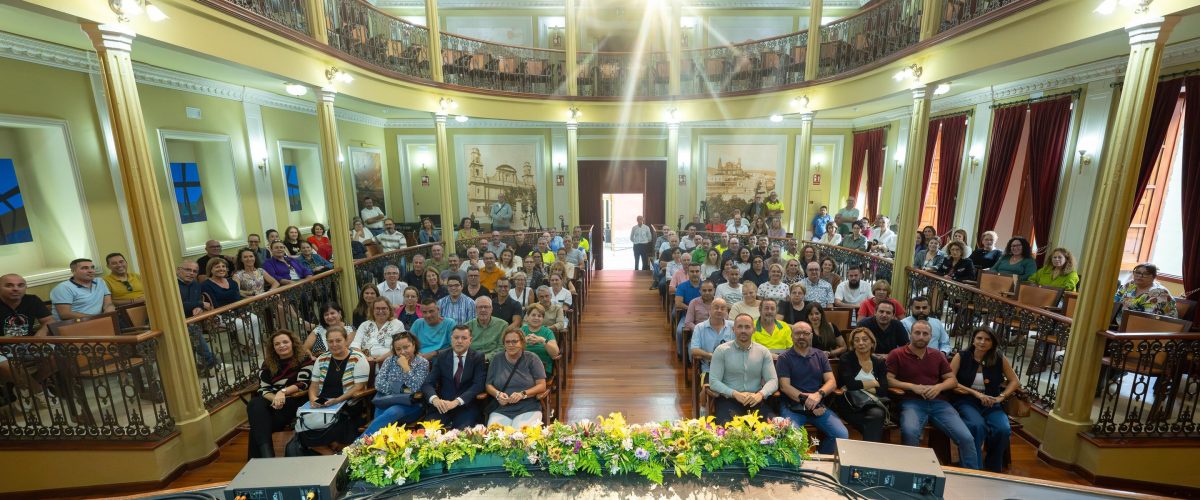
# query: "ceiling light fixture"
{"points": [[461, 118], [942, 89], [128, 9], [776, 118], [295, 89]]}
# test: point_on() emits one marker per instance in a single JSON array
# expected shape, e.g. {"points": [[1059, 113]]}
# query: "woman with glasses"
{"points": [[1017, 259], [1144, 293], [515, 379], [400, 376]]}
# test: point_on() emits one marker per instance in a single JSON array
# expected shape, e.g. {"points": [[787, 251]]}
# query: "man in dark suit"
{"points": [[456, 378]]}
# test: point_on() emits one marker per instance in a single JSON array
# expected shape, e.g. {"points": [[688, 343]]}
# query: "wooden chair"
{"points": [[1185, 308], [1070, 300], [1041, 296], [1144, 322], [134, 316], [997, 283], [839, 317], [101, 325], [103, 361], [1167, 377]]}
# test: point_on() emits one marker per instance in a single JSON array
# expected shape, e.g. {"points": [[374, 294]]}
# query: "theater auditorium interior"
{"points": [[594, 245]]}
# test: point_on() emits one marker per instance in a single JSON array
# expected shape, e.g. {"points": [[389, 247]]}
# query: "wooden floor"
{"points": [[624, 362]]}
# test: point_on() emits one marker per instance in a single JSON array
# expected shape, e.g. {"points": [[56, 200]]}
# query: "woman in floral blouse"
{"points": [[1144, 293], [399, 377]]}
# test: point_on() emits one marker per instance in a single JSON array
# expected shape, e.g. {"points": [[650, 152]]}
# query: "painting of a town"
{"points": [[736, 172]]}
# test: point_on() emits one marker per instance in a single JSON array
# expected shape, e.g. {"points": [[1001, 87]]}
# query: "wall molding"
{"points": [[272, 100], [558, 4]]}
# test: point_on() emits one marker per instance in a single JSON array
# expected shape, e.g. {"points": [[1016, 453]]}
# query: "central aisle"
{"points": [[624, 360]]}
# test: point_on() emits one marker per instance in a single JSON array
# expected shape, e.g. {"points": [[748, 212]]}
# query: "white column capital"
{"points": [[920, 93], [111, 37], [1145, 30], [806, 118], [572, 126], [327, 94], [673, 126], [440, 118]]}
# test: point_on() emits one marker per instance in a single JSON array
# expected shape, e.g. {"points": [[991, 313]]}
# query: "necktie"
{"points": [[458, 371]]}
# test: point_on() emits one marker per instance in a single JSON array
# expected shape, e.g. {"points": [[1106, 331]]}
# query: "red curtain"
{"points": [[1049, 125], [1191, 185], [876, 144], [1166, 97], [954, 137], [930, 142], [857, 155], [1006, 138]]}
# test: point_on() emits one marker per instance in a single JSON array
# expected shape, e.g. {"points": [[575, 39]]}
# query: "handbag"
{"points": [[1017, 406], [493, 404], [861, 400], [316, 421]]}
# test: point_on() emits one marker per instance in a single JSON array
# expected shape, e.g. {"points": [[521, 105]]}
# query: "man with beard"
{"points": [[805, 379], [743, 374], [770, 331], [925, 376], [918, 310], [852, 291], [730, 288], [417, 274], [889, 333]]}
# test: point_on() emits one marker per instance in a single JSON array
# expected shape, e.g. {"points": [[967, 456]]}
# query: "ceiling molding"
{"points": [[46, 54], [273, 100], [165, 78], [356, 117]]}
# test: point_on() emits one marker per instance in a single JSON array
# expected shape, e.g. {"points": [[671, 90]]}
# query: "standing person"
{"points": [[820, 223], [988, 379], [282, 384], [501, 213], [125, 285], [806, 379], [860, 370], [742, 374], [925, 375], [846, 216], [641, 235], [756, 209], [82, 295], [372, 215], [774, 205]]}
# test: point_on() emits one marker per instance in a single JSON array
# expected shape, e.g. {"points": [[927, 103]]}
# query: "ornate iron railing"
{"points": [[873, 266], [611, 74], [288, 13], [761, 64], [370, 269], [957, 12], [869, 36], [1149, 386], [228, 341], [359, 29], [1033, 339], [486, 65], [522, 242], [103, 388]]}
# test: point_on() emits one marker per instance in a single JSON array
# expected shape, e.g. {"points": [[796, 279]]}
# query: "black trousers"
{"points": [[462, 417], [727, 408], [641, 256], [869, 422], [265, 420]]}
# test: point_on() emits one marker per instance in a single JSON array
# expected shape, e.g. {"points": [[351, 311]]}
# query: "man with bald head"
{"points": [[212, 250], [710, 334], [24, 315], [486, 330]]}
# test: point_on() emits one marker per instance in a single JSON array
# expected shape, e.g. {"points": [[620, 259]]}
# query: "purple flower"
{"points": [[720, 432], [641, 454], [768, 441], [578, 445]]}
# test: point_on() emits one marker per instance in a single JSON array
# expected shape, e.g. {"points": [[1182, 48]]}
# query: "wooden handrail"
{"points": [[498, 44], [408, 249], [1000, 298], [1147, 335], [65, 339], [274, 291]]}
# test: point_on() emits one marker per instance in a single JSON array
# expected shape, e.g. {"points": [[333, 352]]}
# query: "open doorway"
{"points": [[620, 215]]}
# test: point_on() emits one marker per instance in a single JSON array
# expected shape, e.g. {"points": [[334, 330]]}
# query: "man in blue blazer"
{"points": [[454, 381]]}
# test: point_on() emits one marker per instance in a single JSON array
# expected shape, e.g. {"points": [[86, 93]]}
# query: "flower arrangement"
{"points": [[608, 447]]}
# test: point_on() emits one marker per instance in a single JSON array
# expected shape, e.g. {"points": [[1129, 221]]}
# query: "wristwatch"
{"points": [[821, 392]]}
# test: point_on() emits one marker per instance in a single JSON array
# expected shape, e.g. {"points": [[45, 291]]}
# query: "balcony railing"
{"points": [[228, 341], [873, 266], [485, 65], [869, 36], [1149, 386], [614, 74], [102, 388], [957, 12], [370, 269], [769, 63], [1033, 339], [359, 29], [521, 242], [288, 13]]}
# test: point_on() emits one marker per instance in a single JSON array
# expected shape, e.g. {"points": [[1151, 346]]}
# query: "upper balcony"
{"points": [[360, 33]]}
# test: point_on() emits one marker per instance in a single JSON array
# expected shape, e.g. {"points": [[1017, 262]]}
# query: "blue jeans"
{"points": [[828, 423], [399, 414], [915, 413], [200, 348], [989, 426]]}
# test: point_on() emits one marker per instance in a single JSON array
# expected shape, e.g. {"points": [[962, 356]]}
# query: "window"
{"points": [[292, 178], [929, 213], [14, 224], [188, 192], [1160, 207]]}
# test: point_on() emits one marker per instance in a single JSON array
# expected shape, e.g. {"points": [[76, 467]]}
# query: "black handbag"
{"points": [[493, 404], [861, 400]]}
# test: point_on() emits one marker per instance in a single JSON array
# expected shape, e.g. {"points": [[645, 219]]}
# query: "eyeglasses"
{"points": [[512, 342], [1142, 274]]}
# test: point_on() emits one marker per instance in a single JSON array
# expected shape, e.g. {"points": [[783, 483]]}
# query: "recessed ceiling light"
{"points": [[461, 118], [776, 118], [942, 89], [295, 89]]}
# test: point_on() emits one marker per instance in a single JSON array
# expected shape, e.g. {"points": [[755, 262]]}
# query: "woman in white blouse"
{"points": [[374, 336], [509, 262], [360, 233], [521, 292], [774, 289], [832, 237]]}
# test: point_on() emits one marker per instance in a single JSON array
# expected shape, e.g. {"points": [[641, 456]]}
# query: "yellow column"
{"points": [[572, 48], [318, 21], [434, 25], [573, 173], [910, 206], [113, 44], [1104, 241], [335, 193], [931, 18], [672, 174], [813, 55], [800, 184], [445, 176], [676, 47]]}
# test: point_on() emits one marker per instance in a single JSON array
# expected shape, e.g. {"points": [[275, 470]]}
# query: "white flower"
{"points": [[379, 460], [533, 458], [389, 472], [401, 480], [408, 452], [614, 469], [627, 444]]}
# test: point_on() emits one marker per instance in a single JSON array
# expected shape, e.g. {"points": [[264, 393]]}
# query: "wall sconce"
{"points": [[972, 162], [556, 37], [1084, 160], [560, 177], [1109, 6], [262, 164], [975, 156], [673, 115], [446, 105], [573, 115], [910, 72], [334, 75], [126, 9]]}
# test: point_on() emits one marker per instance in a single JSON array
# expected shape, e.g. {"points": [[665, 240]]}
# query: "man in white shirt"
{"points": [[502, 214], [737, 225], [372, 216], [390, 239], [852, 291], [641, 236], [391, 287], [919, 310], [688, 240], [884, 234], [731, 289]]}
